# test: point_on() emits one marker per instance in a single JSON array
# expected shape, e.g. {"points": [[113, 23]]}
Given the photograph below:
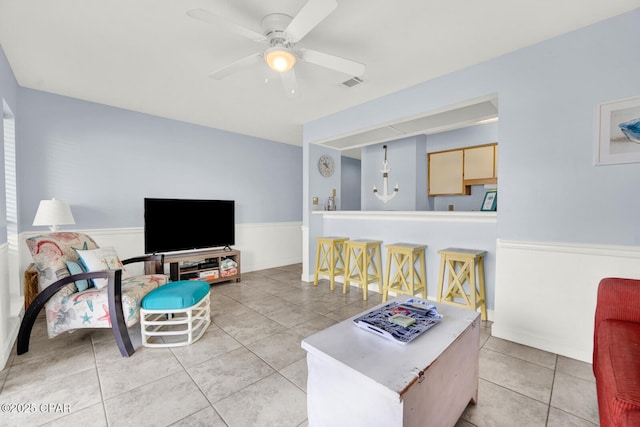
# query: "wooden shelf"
{"points": [[189, 265]]}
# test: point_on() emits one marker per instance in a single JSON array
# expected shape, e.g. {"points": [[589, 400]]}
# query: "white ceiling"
{"points": [[149, 56]]}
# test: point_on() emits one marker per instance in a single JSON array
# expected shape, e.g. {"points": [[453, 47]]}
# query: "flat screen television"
{"points": [[172, 225]]}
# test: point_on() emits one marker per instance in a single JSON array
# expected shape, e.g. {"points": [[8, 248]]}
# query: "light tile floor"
{"points": [[249, 369]]}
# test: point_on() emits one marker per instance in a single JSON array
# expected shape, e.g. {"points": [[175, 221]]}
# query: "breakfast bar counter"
{"points": [[435, 229]]}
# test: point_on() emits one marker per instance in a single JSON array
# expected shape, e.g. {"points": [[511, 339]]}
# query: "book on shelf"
{"points": [[210, 274]]}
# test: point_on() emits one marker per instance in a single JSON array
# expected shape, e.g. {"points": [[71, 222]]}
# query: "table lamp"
{"points": [[53, 213]]}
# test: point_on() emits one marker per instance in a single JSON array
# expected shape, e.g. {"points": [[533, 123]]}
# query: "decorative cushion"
{"points": [[176, 295], [50, 252], [101, 259], [75, 268]]}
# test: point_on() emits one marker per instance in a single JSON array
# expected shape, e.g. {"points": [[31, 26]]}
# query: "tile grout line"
{"points": [[186, 370], [102, 400], [553, 384]]}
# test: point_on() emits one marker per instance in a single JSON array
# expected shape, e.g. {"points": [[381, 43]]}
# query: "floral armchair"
{"points": [[84, 286]]}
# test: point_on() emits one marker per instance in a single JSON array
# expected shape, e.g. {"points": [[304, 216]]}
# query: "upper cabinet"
{"points": [[445, 172], [480, 165], [452, 172]]}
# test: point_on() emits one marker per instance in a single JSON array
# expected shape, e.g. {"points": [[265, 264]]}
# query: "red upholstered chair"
{"points": [[616, 352]]}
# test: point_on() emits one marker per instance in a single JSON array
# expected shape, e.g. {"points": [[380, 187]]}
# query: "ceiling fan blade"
{"points": [[309, 16], [212, 18], [236, 66], [290, 83], [333, 62]]}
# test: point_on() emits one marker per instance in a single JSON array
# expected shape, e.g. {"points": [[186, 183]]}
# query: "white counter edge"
{"points": [[433, 216]]}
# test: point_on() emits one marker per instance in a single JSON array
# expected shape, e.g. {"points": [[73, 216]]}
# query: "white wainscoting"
{"points": [[268, 245], [306, 274], [546, 292], [9, 315], [263, 245]]}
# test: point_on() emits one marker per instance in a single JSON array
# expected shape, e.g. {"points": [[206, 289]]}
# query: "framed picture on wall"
{"points": [[490, 202], [618, 138]]}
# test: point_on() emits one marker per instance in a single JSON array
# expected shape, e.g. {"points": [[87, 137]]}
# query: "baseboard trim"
{"points": [[517, 335]]}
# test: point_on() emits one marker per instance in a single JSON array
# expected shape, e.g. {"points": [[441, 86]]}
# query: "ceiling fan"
{"points": [[281, 33]]}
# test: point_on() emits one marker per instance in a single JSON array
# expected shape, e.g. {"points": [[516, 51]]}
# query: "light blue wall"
{"points": [[407, 161], [466, 137], [548, 94], [324, 185], [8, 94], [105, 160], [350, 184], [547, 133]]}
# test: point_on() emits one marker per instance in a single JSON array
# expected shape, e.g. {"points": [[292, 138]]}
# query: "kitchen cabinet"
{"points": [[445, 172], [453, 172], [480, 165]]}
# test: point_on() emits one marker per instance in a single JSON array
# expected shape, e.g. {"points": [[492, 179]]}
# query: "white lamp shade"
{"points": [[53, 213]]}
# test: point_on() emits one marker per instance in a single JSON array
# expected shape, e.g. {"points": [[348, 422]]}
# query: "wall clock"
{"points": [[326, 165]]}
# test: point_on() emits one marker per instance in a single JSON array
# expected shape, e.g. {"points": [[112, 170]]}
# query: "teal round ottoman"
{"points": [[179, 310]]}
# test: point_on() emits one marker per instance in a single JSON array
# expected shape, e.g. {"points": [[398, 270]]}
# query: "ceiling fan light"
{"points": [[280, 59]]}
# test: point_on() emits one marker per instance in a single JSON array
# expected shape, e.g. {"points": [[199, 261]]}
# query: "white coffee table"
{"points": [[357, 378]]}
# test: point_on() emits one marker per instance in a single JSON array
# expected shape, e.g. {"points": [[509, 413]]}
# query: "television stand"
{"points": [[203, 265]]}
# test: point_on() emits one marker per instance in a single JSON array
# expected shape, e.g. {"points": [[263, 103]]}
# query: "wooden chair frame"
{"points": [[114, 295]]}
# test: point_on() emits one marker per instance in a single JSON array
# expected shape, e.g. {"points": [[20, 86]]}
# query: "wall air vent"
{"points": [[352, 82]]}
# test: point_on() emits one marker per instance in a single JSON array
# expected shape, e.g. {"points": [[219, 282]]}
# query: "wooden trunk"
{"points": [[357, 378]]}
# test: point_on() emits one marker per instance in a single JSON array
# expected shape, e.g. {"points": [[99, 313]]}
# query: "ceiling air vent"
{"points": [[352, 82]]}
